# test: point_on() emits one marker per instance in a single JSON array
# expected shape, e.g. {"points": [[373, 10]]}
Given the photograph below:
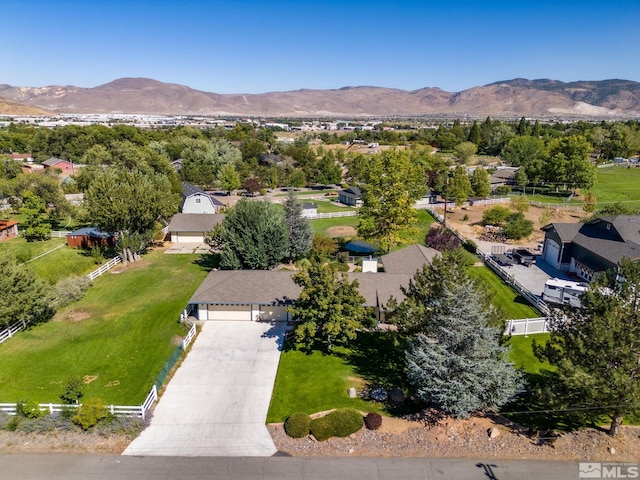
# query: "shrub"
{"points": [[520, 203], [90, 413], [441, 239], [495, 215], [29, 409], [72, 289], [73, 390], [297, 425], [373, 421], [339, 423], [518, 227], [470, 246], [503, 190], [466, 217]]}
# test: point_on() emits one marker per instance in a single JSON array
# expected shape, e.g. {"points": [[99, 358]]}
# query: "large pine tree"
{"points": [[457, 363]]}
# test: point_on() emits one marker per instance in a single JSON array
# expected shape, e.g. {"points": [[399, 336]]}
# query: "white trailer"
{"points": [[563, 292]]}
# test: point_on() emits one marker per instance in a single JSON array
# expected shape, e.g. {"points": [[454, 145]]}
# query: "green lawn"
{"points": [[326, 206], [59, 263], [615, 184], [324, 224], [504, 297], [316, 382], [522, 352], [418, 232], [117, 337]]}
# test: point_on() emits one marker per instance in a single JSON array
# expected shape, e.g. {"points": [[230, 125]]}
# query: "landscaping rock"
{"points": [[493, 432], [352, 392], [379, 395], [396, 396]]}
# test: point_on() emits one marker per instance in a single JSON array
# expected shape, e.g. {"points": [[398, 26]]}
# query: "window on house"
{"points": [[198, 200]]}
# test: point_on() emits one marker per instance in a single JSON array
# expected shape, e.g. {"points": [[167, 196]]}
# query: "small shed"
{"points": [[309, 210], [89, 237]]}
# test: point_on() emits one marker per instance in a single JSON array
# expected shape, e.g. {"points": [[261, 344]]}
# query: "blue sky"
{"points": [[251, 46]]}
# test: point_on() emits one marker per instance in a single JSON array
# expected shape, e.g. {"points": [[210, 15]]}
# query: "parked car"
{"points": [[523, 257]]}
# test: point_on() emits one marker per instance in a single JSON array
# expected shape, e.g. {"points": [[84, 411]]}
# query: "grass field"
{"points": [[327, 206], [510, 303], [52, 267], [117, 337], [522, 352], [615, 184], [324, 224]]}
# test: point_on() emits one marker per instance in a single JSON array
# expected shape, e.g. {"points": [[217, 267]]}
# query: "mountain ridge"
{"points": [[515, 97]]}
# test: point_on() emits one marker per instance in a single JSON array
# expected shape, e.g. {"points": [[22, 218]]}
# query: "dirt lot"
{"points": [[472, 227]]}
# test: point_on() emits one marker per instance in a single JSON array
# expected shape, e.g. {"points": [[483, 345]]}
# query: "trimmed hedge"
{"points": [[339, 423], [373, 421], [297, 425]]}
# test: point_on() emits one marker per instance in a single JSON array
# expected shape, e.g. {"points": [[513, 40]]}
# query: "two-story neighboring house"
{"points": [[590, 249], [195, 200], [350, 196]]}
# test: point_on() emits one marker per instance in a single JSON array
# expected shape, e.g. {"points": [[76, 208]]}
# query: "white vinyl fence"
{"points": [[11, 331], [104, 268], [527, 326], [348, 213]]}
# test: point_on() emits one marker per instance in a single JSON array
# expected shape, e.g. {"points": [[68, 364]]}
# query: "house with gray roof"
{"points": [[590, 249], [254, 295], [195, 200], [192, 227]]}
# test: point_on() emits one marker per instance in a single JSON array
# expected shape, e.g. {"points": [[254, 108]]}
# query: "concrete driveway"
{"points": [[216, 404]]}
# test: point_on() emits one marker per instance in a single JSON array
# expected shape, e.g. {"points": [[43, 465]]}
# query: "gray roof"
{"points": [[309, 206], [566, 231], [408, 260], [194, 222], [352, 190], [53, 161], [188, 190], [503, 175], [268, 287]]}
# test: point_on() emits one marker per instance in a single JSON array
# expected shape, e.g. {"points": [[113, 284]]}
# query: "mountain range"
{"points": [[511, 98]]}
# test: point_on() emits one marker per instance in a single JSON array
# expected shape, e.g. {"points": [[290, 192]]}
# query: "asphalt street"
{"points": [[114, 467]]}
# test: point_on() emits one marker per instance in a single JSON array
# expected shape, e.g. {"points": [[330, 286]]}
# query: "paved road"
{"points": [[216, 404], [89, 467]]}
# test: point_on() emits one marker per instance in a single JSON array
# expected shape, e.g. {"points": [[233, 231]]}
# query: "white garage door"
{"points": [[273, 314], [187, 237], [230, 312], [551, 252]]}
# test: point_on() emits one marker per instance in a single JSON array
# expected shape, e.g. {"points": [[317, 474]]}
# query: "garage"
{"points": [[187, 237], [227, 312], [192, 227], [551, 253], [274, 313]]}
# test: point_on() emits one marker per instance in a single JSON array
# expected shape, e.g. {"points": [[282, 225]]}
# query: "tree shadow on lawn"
{"points": [[208, 261], [540, 408], [378, 357]]}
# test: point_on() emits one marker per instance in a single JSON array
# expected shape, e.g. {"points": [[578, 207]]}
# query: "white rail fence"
{"points": [[11, 331], [527, 326], [139, 411], [104, 268], [349, 213]]}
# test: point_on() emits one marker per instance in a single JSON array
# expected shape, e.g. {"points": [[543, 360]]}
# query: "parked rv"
{"points": [[563, 292]]}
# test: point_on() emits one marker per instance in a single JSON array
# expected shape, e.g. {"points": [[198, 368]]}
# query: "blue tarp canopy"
{"points": [[360, 246]]}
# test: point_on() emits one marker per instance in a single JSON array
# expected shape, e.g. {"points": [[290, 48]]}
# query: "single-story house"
{"points": [[65, 166], [32, 168], [590, 249], [309, 210], [192, 227], [350, 196], [195, 200], [88, 237], [8, 229], [254, 295], [503, 176], [22, 157]]}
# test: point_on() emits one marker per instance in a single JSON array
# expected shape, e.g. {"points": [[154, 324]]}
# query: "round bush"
{"points": [[297, 425], [339, 423], [373, 421]]}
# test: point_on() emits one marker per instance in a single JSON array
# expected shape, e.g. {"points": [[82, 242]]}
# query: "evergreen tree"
{"points": [[458, 364], [25, 297], [329, 309], [596, 352], [299, 227], [35, 211], [253, 236], [474, 133]]}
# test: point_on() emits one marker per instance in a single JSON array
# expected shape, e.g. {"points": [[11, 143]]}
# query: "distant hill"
{"points": [[516, 97]]}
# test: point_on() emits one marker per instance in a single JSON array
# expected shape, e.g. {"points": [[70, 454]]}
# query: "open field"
{"points": [[618, 184], [117, 337], [324, 225]]}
